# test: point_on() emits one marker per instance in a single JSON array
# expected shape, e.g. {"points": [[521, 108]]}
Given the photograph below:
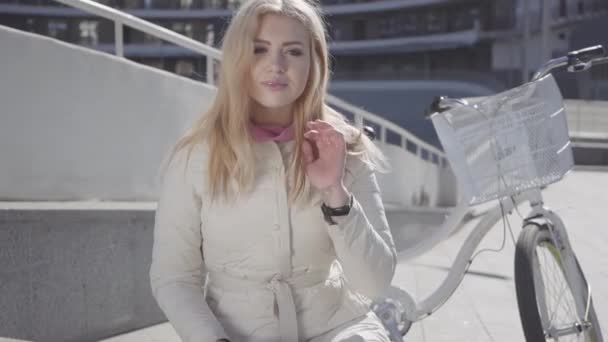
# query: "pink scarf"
{"points": [[263, 133]]}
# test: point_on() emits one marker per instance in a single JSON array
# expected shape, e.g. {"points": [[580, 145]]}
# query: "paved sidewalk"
{"points": [[484, 307]]}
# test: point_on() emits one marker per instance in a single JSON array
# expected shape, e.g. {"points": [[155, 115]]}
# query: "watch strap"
{"points": [[329, 212]]}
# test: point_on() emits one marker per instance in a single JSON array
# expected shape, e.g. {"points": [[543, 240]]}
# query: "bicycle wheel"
{"points": [[542, 291]]}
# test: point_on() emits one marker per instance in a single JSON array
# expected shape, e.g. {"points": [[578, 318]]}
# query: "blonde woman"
{"points": [[270, 225]]}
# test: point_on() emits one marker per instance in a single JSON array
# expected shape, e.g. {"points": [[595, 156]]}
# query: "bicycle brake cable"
{"points": [[505, 222]]}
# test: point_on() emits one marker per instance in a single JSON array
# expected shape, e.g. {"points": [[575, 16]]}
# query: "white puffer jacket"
{"points": [[274, 272]]}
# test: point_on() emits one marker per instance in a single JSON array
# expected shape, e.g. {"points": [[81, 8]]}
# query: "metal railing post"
{"points": [[210, 70], [358, 120], [119, 39]]}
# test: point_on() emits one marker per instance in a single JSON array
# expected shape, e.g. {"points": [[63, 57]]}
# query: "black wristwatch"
{"points": [[328, 212]]}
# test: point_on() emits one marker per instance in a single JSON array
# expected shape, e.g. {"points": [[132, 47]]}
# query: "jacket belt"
{"points": [[280, 287]]}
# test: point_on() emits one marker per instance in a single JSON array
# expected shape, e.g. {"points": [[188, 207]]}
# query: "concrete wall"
{"points": [[587, 119], [78, 124], [415, 182], [75, 275], [81, 274]]}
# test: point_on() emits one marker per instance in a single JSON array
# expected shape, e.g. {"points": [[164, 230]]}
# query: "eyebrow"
{"points": [[284, 44]]}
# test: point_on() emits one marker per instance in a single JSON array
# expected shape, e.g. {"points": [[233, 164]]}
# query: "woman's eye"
{"points": [[296, 52], [258, 50]]}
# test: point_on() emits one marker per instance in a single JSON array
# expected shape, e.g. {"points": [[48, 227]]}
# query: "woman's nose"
{"points": [[278, 62]]}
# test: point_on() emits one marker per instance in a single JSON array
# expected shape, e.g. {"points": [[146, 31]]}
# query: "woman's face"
{"points": [[281, 61]]}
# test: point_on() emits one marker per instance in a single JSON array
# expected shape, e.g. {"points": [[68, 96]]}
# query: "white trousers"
{"points": [[367, 328]]}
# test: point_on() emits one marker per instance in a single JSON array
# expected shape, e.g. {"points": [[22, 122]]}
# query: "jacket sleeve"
{"points": [[362, 239], [177, 270]]}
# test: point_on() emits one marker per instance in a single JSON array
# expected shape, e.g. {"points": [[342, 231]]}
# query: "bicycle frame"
{"points": [[462, 262]]}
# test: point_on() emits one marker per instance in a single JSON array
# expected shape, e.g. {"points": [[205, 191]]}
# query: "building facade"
{"points": [[497, 43]]}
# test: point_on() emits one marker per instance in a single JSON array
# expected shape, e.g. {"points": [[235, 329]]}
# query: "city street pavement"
{"points": [[484, 307]]}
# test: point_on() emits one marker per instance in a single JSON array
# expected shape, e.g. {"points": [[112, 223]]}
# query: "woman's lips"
{"points": [[275, 86]]}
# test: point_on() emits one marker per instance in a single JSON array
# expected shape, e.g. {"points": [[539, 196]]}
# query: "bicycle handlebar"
{"points": [[576, 61], [587, 54]]}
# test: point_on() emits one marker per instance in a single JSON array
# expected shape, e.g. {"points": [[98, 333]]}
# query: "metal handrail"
{"points": [[384, 124], [121, 18]]}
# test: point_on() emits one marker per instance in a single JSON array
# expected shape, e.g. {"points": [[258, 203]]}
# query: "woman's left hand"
{"points": [[324, 155]]}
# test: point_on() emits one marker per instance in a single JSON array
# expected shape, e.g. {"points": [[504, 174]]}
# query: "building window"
{"points": [[435, 22], [475, 16], [210, 35], [410, 24], [600, 73], [155, 63], [359, 30], [563, 8], [111, 3], [58, 29], [149, 39], [183, 28], [88, 32], [503, 16], [221, 4], [184, 68], [30, 25], [457, 21], [336, 33], [389, 27], [131, 3]]}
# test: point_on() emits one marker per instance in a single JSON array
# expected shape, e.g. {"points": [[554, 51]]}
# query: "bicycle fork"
{"points": [[575, 279]]}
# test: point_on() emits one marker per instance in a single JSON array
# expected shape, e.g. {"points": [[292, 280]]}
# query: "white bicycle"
{"points": [[508, 147]]}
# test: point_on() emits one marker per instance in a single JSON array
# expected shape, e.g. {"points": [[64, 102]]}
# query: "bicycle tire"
{"points": [[531, 238]]}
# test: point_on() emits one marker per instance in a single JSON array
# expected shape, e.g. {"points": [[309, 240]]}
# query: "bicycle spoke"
{"points": [[562, 312], [560, 305], [563, 288]]}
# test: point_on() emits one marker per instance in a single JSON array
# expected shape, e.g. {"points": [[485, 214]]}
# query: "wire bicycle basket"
{"points": [[503, 144]]}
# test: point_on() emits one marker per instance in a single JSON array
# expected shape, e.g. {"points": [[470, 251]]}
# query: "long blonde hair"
{"points": [[224, 124]]}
